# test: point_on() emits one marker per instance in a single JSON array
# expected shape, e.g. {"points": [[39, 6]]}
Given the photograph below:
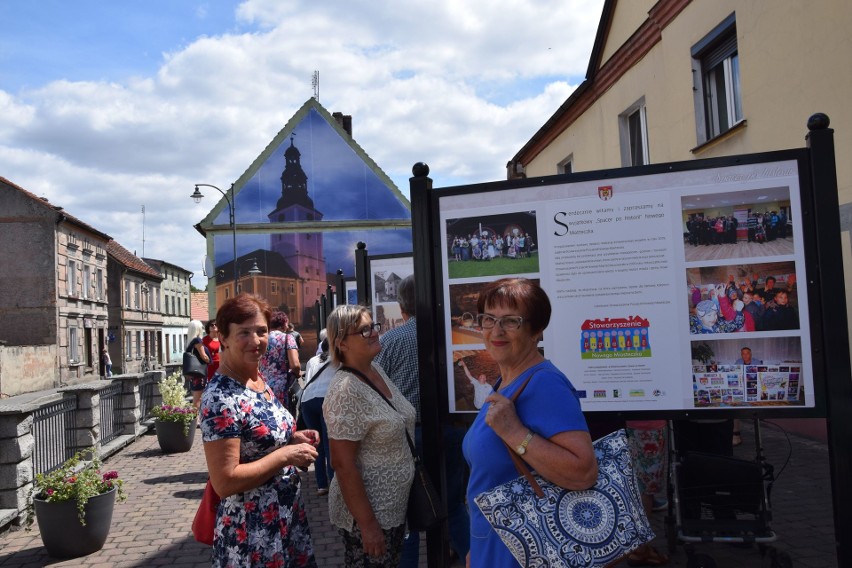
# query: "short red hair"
{"points": [[239, 309]]}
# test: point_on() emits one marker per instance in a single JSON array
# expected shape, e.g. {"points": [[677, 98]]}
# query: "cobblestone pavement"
{"points": [[152, 528]]}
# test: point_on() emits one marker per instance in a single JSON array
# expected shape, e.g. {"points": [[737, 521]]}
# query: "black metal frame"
{"points": [[828, 325]]}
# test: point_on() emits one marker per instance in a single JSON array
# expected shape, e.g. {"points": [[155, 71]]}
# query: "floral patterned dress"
{"points": [[265, 526], [275, 366]]}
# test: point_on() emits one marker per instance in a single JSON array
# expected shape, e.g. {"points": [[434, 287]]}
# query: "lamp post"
{"points": [[197, 196], [253, 271]]}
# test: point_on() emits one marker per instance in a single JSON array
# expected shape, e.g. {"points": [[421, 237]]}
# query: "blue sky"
{"points": [[87, 40], [108, 106]]}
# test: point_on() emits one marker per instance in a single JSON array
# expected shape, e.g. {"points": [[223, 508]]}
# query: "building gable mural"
{"points": [[300, 210]]}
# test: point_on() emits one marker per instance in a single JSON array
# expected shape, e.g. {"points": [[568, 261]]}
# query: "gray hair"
{"points": [[405, 294], [338, 324]]}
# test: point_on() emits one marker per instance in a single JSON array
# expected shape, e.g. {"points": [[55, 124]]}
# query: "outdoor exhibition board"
{"points": [[680, 288], [386, 272]]}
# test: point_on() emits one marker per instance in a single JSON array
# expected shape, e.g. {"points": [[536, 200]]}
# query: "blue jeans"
{"points": [[457, 515], [312, 413]]}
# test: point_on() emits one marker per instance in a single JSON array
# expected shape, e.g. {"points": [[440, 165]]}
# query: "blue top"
{"points": [[548, 406]]}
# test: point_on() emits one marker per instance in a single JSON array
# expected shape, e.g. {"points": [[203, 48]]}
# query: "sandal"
{"points": [[647, 555], [737, 440]]}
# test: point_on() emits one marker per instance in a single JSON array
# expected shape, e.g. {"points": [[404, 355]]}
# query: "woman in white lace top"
{"points": [[373, 467]]}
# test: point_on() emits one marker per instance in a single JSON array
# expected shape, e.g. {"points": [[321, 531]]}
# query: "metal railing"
{"points": [[110, 409], [147, 391], [54, 428]]}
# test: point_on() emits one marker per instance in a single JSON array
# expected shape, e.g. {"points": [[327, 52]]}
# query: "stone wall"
{"points": [[20, 442], [27, 368]]}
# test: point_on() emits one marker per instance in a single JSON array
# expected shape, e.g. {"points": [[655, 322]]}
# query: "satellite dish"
{"points": [[208, 267]]}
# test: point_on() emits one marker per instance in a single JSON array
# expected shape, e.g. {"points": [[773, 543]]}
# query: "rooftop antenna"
{"points": [[143, 231], [315, 84]]}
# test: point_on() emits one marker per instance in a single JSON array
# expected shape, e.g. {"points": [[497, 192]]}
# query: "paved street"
{"points": [[152, 528]]}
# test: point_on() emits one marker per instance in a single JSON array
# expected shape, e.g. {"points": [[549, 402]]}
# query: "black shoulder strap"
{"points": [[363, 378]]}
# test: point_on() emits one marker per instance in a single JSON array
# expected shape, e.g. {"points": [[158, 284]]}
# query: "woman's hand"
{"points": [[311, 437], [374, 539], [300, 455], [501, 415]]}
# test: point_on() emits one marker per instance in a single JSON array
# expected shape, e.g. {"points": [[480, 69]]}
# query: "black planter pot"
{"points": [[172, 438], [61, 532]]}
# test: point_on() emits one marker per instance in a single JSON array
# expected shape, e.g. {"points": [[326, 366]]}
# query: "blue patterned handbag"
{"points": [[545, 525]]}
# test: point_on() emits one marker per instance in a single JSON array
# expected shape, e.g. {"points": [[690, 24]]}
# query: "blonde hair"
{"points": [[339, 322], [194, 329]]}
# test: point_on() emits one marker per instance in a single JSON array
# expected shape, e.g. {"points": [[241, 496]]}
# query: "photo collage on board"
{"points": [[480, 250], [742, 298]]}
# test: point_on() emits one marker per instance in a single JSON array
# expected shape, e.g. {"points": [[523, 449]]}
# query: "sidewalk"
{"points": [[152, 528]]}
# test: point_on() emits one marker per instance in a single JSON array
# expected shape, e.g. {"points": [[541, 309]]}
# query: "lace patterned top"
{"points": [[354, 411]]}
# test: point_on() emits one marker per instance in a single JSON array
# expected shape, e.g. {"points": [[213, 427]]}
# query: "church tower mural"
{"points": [[300, 209], [303, 252]]}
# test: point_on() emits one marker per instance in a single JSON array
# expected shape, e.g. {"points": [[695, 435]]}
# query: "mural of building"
{"points": [[53, 294], [300, 209]]}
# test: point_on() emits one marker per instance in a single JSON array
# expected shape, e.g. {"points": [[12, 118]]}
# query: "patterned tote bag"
{"points": [[544, 525]]}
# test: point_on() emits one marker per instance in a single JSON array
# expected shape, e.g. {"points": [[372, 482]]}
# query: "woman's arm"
{"points": [[229, 476], [566, 459], [467, 371], [199, 348], [343, 460], [293, 360]]}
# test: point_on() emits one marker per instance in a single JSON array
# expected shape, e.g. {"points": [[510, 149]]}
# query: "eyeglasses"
{"points": [[506, 323], [367, 330]]}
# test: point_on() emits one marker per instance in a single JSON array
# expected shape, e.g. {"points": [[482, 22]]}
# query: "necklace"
{"points": [[237, 378]]}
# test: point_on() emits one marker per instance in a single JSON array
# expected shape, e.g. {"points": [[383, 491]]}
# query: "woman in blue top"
{"points": [[544, 425]]}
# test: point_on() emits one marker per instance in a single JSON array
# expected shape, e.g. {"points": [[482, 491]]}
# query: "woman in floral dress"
{"points": [[253, 451], [280, 365]]}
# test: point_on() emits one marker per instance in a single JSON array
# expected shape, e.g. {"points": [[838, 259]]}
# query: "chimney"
{"points": [[344, 120]]}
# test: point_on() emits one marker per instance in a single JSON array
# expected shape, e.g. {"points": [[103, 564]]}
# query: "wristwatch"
{"points": [[522, 449]]}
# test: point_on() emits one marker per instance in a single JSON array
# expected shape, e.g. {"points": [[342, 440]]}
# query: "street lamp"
{"points": [[252, 272], [197, 196]]}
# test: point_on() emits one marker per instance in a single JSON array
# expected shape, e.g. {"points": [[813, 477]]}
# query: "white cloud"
{"points": [[461, 86]]}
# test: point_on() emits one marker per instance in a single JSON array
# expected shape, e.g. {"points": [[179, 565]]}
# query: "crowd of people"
{"points": [[761, 228], [361, 407], [485, 247], [731, 307]]}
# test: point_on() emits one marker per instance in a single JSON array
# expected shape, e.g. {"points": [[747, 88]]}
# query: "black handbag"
{"points": [[425, 507], [193, 365]]}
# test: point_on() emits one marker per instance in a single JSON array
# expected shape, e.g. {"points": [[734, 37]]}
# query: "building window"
{"points": [[716, 70], [99, 283], [87, 280], [157, 295], [128, 345], [186, 306], [72, 278], [174, 312], [633, 135], [73, 348], [137, 288], [126, 293], [227, 293], [292, 288], [138, 344], [566, 166]]}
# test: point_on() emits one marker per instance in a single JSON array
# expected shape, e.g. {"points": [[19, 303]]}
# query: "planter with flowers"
{"points": [[175, 417], [73, 506]]}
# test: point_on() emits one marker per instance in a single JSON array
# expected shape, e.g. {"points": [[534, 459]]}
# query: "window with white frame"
{"points": [[128, 345], [633, 135], [138, 344], [87, 280], [126, 293], [566, 166], [73, 348], [99, 283], [716, 81], [137, 289], [72, 278]]}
